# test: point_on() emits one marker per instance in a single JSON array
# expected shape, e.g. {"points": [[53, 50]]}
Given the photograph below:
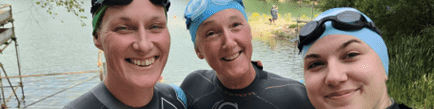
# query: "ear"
{"points": [[386, 78], [97, 42], [198, 53]]}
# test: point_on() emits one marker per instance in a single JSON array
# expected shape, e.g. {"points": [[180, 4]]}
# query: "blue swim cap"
{"points": [[368, 36], [198, 11]]}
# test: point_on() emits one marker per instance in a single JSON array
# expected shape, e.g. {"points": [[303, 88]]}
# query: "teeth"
{"points": [[144, 62], [232, 57]]}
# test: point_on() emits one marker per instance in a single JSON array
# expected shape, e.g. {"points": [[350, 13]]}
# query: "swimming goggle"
{"points": [[346, 21]]}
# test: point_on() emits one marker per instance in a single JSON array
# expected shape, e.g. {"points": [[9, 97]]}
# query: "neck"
{"points": [[127, 94], [238, 82], [385, 101]]}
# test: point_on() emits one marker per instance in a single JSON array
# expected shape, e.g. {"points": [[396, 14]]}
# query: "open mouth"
{"points": [[143, 62], [233, 57]]}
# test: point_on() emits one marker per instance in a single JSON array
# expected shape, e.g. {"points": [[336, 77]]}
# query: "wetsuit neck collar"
{"points": [[105, 97], [254, 88]]}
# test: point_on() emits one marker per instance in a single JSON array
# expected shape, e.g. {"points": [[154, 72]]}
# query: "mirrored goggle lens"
{"points": [[116, 2], [308, 28], [349, 17]]}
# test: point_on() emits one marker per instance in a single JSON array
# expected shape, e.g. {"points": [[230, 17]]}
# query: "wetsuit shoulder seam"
{"points": [[266, 101], [281, 86], [201, 72]]}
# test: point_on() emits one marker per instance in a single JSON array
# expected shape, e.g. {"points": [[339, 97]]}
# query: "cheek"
{"points": [[163, 42], [313, 83], [369, 69], [113, 44]]}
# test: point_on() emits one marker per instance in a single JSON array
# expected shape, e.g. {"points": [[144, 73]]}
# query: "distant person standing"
{"points": [[274, 11]]}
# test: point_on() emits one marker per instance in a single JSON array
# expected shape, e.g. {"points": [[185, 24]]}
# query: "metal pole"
{"points": [[296, 31], [311, 16], [6, 75], [3, 93], [16, 51]]}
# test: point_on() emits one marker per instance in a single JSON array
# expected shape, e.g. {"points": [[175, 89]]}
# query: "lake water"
{"points": [[61, 44]]}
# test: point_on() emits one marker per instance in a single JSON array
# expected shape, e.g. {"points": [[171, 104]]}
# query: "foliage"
{"points": [[411, 77], [295, 25], [72, 6], [391, 16]]}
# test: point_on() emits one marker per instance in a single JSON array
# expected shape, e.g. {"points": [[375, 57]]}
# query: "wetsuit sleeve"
{"points": [[302, 98], [186, 86]]}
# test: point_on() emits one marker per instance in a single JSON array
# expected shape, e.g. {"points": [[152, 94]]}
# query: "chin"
{"points": [[144, 81], [239, 71]]}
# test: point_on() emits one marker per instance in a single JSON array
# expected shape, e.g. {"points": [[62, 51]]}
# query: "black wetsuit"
{"points": [[267, 91], [397, 106], [164, 97]]}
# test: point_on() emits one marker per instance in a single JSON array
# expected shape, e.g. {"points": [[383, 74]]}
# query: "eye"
{"points": [[351, 55], [123, 29], [236, 24], [156, 27], [210, 33], [315, 64]]}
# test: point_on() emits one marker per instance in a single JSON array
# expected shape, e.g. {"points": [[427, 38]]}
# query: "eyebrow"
{"points": [[124, 18], [207, 22], [233, 17], [340, 48], [312, 56], [347, 43]]}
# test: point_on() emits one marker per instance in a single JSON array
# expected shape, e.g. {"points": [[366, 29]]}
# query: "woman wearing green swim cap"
{"points": [[135, 39], [345, 62]]}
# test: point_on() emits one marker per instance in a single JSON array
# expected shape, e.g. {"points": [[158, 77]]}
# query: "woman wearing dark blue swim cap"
{"points": [[345, 62]]}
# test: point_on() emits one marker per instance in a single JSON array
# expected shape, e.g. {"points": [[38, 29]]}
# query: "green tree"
{"points": [[72, 6], [393, 17]]}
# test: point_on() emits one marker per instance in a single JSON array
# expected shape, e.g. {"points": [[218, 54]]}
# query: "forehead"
{"points": [[136, 9], [330, 43]]}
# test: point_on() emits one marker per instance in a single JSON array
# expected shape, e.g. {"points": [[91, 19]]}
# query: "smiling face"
{"points": [[136, 42], [342, 71], [224, 40]]}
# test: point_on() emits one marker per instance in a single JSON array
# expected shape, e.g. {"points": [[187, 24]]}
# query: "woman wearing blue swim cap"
{"points": [[222, 36], [345, 62]]}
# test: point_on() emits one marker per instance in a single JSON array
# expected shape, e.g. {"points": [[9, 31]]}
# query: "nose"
{"points": [[228, 40], [142, 43], [336, 73]]}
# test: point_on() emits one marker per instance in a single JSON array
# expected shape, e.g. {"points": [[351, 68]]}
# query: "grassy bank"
{"points": [[285, 27], [411, 72], [258, 13]]}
